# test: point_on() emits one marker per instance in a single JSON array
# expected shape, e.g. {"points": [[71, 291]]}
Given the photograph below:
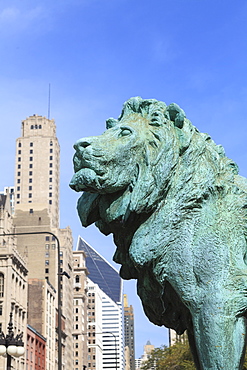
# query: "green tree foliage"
{"points": [[176, 357]]}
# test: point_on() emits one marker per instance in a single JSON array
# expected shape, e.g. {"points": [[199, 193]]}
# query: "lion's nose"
{"points": [[82, 143]]}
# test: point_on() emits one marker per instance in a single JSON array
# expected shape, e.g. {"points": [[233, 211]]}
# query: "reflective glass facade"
{"points": [[101, 272]]}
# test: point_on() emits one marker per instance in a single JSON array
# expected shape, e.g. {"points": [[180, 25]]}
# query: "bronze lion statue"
{"points": [[177, 209]]}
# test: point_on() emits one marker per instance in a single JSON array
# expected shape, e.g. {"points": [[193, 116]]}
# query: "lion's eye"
{"points": [[125, 132]]}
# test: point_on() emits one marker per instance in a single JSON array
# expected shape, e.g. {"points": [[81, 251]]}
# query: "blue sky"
{"points": [[98, 53]]}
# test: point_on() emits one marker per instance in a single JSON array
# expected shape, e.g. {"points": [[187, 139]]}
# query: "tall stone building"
{"points": [[13, 279], [80, 347], [37, 211], [129, 331]]}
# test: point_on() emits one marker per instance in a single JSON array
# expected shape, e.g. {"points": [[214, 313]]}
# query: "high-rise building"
{"points": [[148, 348], [106, 277], [37, 168], [13, 279], [37, 210], [80, 347], [129, 331]]}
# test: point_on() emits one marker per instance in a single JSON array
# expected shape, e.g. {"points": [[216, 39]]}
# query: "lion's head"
{"points": [[146, 177], [128, 156]]}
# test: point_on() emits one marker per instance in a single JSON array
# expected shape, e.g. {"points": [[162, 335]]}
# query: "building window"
{"points": [[47, 246], [31, 151], [30, 165], [47, 238], [50, 194], [30, 195], [50, 172], [51, 143], [31, 144], [53, 246], [50, 164], [1, 285], [19, 151], [19, 166], [31, 127], [1, 309], [47, 271], [30, 173], [31, 210], [18, 181], [40, 126], [50, 179], [50, 201], [30, 181], [47, 254], [77, 279], [18, 196], [19, 159], [18, 188], [47, 262], [30, 158], [19, 145], [18, 174], [51, 150], [30, 188]]}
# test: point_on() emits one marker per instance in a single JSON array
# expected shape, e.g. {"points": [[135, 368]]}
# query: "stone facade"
{"points": [[80, 347], [13, 280]]}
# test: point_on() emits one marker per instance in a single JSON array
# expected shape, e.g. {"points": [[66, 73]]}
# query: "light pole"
{"points": [[115, 339], [11, 345], [59, 309]]}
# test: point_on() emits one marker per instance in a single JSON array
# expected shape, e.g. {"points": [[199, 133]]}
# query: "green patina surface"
{"points": [[176, 207]]}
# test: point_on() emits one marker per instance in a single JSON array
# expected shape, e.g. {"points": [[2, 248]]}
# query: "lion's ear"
{"points": [[176, 114], [185, 135], [111, 122]]}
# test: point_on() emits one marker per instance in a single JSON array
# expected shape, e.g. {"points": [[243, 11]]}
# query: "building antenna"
{"points": [[49, 100]]}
